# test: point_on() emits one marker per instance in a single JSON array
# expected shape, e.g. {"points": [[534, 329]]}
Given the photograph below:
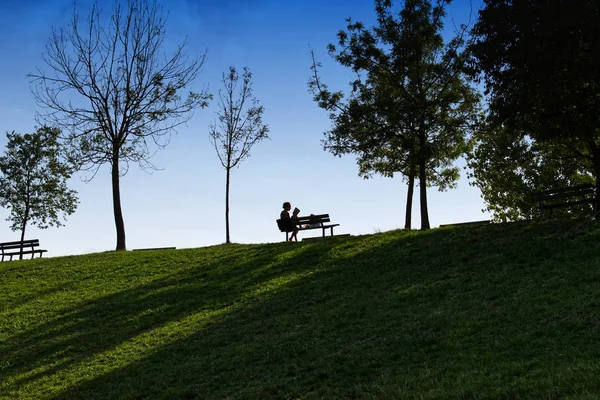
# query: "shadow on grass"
{"points": [[488, 312], [208, 290]]}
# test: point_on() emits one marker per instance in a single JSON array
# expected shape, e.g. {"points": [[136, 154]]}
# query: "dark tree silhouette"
{"points": [[33, 184], [114, 92], [239, 126], [539, 61]]}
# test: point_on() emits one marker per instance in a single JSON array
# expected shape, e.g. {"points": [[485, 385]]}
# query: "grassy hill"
{"points": [[508, 311]]}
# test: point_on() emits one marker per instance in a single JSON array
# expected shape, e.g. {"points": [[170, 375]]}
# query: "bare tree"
{"points": [[114, 92], [239, 126]]}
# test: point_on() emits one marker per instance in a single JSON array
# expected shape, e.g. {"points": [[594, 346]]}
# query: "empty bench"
{"points": [[320, 221], [10, 249], [565, 197]]}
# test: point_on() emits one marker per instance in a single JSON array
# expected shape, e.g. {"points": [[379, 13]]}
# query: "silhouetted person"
{"points": [[288, 221]]}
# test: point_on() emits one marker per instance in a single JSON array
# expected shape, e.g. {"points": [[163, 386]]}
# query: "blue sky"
{"points": [[182, 204]]}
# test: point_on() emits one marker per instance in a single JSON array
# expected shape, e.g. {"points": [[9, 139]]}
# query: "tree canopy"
{"points": [[33, 184], [410, 107]]}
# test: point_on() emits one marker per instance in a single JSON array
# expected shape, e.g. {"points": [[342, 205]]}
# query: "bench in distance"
{"points": [[10, 249], [565, 197], [320, 221]]}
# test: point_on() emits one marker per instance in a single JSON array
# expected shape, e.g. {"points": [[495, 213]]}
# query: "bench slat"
{"points": [[317, 227], [18, 243], [312, 221], [570, 203], [24, 241], [317, 218], [563, 195], [18, 246], [25, 251], [565, 189]]}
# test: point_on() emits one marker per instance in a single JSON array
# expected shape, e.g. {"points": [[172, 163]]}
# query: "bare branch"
{"points": [[131, 89], [240, 124], [117, 97]]}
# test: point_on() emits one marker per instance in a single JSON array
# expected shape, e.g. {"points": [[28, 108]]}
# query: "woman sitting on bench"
{"points": [[288, 222]]}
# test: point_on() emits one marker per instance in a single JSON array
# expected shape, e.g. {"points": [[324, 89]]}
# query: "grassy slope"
{"points": [[501, 312]]}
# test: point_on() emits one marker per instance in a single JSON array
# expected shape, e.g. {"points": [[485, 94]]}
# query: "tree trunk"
{"points": [[423, 182], [596, 160], [23, 232], [118, 213], [597, 195], [227, 239], [26, 216], [423, 191], [409, 197]]}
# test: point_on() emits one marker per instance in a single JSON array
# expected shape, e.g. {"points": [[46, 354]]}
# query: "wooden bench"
{"points": [[10, 249], [565, 197], [320, 221]]}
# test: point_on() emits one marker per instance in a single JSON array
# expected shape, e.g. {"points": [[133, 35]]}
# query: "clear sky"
{"points": [[183, 204]]}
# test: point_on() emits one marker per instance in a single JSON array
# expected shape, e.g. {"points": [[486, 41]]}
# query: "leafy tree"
{"points": [[115, 93], [410, 107], [508, 169], [539, 61], [34, 177], [239, 128], [359, 128]]}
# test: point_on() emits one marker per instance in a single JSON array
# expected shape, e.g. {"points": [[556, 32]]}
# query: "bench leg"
{"points": [[332, 231]]}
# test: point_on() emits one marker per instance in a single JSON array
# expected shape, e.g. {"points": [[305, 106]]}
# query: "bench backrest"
{"points": [[19, 244], [313, 219], [308, 219], [564, 193]]}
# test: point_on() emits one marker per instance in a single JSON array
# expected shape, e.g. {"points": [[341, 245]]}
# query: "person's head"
{"points": [[287, 206]]}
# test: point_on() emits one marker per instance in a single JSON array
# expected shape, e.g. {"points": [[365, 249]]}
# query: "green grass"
{"points": [[508, 311]]}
